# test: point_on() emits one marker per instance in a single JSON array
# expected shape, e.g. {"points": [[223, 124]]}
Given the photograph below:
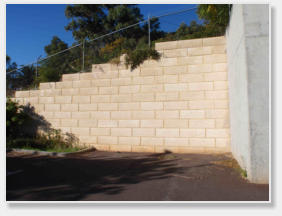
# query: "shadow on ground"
{"points": [[113, 176], [73, 178]]}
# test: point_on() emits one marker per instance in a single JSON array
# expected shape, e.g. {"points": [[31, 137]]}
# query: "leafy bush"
{"points": [[18, 122]]}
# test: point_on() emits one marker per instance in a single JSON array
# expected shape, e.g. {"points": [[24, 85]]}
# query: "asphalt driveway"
{"points": [[113, 176]]}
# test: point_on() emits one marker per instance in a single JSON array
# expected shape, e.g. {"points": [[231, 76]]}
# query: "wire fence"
{"points": [[80, 57]]}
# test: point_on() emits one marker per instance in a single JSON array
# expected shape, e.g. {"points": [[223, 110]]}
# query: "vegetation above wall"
{"points": [[91, 21]]}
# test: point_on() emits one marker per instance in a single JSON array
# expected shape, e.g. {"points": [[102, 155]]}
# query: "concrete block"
{"points": [[165, 132], [34, 93], [152, 141], [121, 115], [107, 106], [88, 139], [55, 122], [165, 62], [215, 58], [151, 71], [108, 90], [191, 77], [151, 105], [198, 51], [200, 68], [108, 140], [167, 114], [190, 43], [52, 107], [217, 95], [143, 80], [175, 123], [70, 92], [87, 123], [48, 85], [63, 99], [222, 123], [62, 115], [167, 96], [194, 133], [143, 115], [214, 41], [121, 81], [101, 82], [70, 77], [192, 114], [100, 115], [217, 113], [143, 132], [100, 98], [100, 131], [80, 115], [129, 106], [202, 123], [129, 89], [88, 91], [107, 123], [151, 123], [167, 79], [87, 107], [121, 132], [202, 142], [65, 84], [129, 141], [219, 67], [201, 104], [220, 85], [166, 45], [222, 142], [175, 105], [121, 98], [174, 70], [129, 73], [128, 123], [80, 131], [176, 87], [217, 133], [218, 49], [152, 88], [143, 97], [200, 86], [69, 122], [39, 107], [221, 104], [81, 99], [176, 141], [69, 107], [190, 60], [46, 100], [192, 95], [102, 147], [174, 53], [218, 76]]}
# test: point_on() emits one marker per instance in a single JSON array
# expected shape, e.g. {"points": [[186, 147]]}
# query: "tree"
{"points": [[216, 17], [52, 68]]}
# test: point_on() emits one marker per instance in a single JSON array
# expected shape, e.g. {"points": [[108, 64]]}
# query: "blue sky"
{"points": [[31, 27]]}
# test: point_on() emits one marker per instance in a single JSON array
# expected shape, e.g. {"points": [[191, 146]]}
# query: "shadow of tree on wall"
{"points": [[36, 126], [76, 177]]}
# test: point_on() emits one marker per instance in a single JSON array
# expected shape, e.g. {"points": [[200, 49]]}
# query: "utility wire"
{"points": [[143, 21]]}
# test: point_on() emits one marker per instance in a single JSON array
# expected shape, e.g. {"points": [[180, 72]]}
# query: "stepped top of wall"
{"points": [[191, 43]]}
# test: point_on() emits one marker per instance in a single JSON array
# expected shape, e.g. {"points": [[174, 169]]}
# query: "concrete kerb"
{"points": [[45, 153]]}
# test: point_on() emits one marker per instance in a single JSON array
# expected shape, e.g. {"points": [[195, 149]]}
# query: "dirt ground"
{"points": [[114, 176]]}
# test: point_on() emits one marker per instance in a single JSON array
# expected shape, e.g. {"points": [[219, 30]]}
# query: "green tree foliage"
{"points": [[52, 68], [216, 17]]}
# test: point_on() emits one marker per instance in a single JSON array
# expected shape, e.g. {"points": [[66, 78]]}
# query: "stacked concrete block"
{"points": [[178, 103]]}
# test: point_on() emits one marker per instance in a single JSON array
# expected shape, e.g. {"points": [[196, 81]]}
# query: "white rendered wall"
{"points": [[248, 71]]}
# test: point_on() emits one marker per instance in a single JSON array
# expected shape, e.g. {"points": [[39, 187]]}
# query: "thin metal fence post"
{"points": [[83, 46], [149, 31]]}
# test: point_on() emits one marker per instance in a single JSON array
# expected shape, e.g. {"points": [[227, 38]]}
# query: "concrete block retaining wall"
{"points": [[178, 103]]}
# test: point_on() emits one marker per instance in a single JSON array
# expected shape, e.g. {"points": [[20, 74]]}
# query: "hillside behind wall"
{"points": [[178, 103]]}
